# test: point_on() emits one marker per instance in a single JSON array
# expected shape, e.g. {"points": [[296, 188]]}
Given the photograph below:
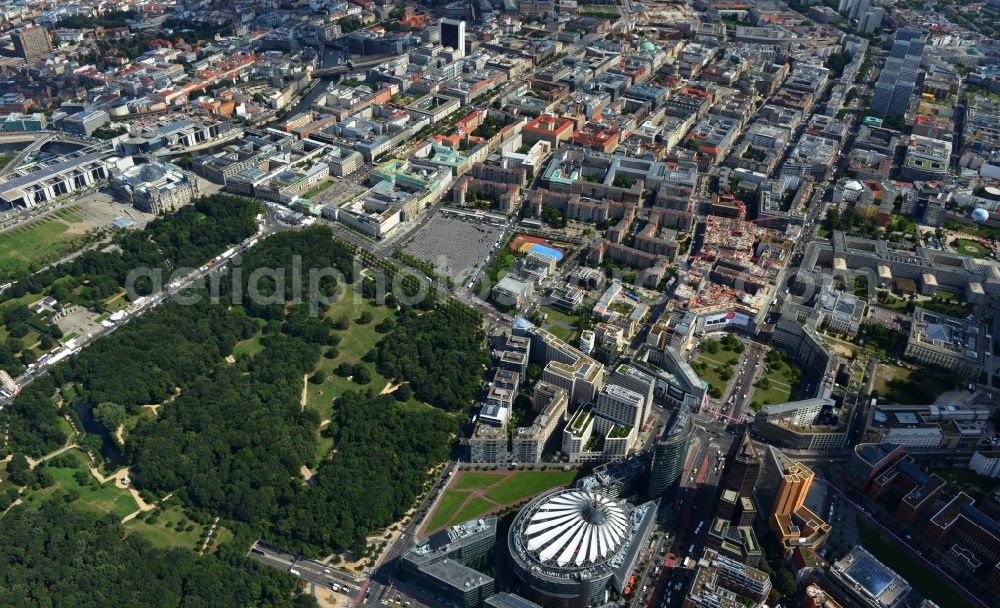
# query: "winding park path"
{"points": [[208, 537], [119, 477]]}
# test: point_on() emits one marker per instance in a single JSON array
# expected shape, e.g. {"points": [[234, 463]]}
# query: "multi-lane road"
{"points": [[739, 391], [267, 226], [381, 581], [309, 570], [681, 514], [374, 586]]}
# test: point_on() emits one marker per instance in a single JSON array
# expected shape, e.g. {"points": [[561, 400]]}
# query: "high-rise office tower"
{"points": [[858, 8], [31, 41], [453, 35], [783, 485], [670, 453], [742, 467], [780, 496], [871, 20], [899, 75], [738, 480]]}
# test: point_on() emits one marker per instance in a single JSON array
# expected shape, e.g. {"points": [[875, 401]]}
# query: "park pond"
{"points": [[109, 449]]}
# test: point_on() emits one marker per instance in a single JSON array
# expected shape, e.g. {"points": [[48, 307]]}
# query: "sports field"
{"points": [[472, 494], [522, 243]]}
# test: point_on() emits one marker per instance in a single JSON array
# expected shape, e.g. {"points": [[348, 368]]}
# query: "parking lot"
{"points": [[454, 246]]}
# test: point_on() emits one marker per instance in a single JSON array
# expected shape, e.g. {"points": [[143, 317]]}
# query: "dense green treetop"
{"points": [[441, 356], [58, 557]]}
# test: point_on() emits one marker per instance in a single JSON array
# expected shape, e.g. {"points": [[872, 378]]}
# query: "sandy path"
{"points": [[305, 392], [119, 478], [33, 463], [208, 537]]}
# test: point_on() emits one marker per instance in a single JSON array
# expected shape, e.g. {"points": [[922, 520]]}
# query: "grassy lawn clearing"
{"points": [[222, 536], [562, 325], [709, 367], [323, 185], [891, 302], [919, 386], [884, 374], [249, 347], [562, 332], [473, 509], [970, 482], [528, 483], [39, 241], [116, 302], [970, 248], [468, 480], [446, 509], [92, 497], [512, 489], [607, 13], [160, 528], [65, 426], [777, 381], [947, 303], [132, 420], [777, 392], [355, 342]]}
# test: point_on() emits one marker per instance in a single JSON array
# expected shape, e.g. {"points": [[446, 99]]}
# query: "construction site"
{"points": [[736, 261]]}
